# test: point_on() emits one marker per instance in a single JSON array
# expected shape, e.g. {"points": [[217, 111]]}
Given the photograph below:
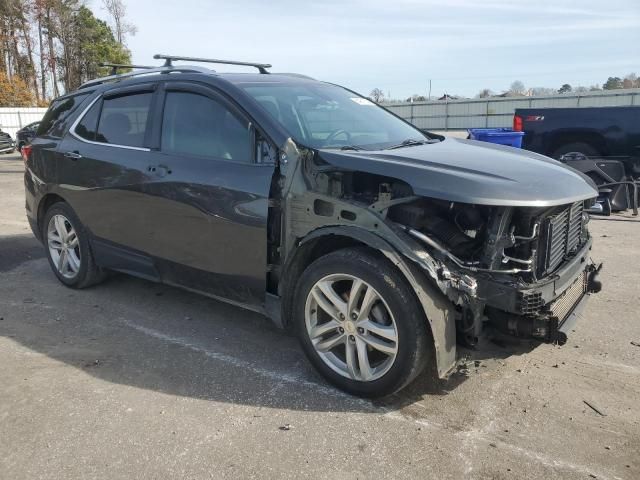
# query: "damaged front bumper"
{"points": [[545, 310]]}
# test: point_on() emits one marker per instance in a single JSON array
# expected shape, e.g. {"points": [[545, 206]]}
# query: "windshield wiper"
{"points": [[409, 142], [350, 147]]}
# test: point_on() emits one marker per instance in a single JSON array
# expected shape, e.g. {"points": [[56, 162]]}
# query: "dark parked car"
{"points": [[592, 131], [26, 134], [6, 143], [380, 245]]}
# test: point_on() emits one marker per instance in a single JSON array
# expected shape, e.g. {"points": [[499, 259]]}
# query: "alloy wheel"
{"points": [[351, 327], [64, 246]]}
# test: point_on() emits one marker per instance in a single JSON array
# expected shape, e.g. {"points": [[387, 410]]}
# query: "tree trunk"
{"points": [[43, 73], [32, 73], [52, 55]]}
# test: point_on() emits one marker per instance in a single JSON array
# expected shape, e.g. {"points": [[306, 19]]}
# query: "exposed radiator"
{"points": [[561, 237]]}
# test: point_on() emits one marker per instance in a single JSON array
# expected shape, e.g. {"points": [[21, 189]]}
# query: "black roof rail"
{"points": [[115, 66], [144, 71], [170, 58]]}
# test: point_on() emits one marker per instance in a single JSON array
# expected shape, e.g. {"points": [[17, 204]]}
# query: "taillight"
{"points": [[517, 123], [26, 151]]}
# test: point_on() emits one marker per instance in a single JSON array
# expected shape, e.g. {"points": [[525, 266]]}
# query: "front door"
{"points": [[208, 227]]}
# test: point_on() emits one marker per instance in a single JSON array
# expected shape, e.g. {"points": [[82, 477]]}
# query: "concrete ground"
{"points": [[136, 380]]}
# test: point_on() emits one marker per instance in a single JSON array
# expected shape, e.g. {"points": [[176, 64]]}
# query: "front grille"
{"points": [[563, 305], [561, 237]]}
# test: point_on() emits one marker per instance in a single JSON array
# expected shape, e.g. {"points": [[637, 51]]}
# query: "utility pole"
{"points": [[429, 96]]}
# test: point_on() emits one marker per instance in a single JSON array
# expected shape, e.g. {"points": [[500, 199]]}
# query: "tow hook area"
{"points": [[593, 284]]}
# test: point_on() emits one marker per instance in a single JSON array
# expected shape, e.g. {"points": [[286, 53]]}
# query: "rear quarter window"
{"points": [[54, 122]]}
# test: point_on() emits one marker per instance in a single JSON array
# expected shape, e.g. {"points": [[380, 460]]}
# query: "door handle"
{"points": [[73, 155]]}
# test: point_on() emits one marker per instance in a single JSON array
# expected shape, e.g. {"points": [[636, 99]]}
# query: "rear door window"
{"points": [[123, 120], [195, 124], [53, 123]]}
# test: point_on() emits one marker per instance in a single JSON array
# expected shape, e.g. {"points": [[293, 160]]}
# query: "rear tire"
{"points": [[377, 333], [67, 247], [577, 147]]}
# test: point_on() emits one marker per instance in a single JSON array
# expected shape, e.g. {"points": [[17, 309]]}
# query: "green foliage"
{"points": [[92, 43], [612, 83], [566, 88], [53, 46]]}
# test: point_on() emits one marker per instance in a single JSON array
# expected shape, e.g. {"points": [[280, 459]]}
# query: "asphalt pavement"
{"points": [[131, 379]]}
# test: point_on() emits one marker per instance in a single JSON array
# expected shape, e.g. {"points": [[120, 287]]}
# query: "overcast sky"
{"points": [[398, 45]]}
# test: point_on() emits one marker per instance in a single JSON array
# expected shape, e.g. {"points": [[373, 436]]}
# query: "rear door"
{"points": [[45, 156], [208, 227], [103, 169]]}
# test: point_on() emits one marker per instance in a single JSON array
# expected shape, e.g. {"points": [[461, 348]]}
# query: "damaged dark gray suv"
{"points": [[382, 246]]}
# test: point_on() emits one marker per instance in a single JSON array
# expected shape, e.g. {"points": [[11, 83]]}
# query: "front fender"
{"points": [[439, 311]]}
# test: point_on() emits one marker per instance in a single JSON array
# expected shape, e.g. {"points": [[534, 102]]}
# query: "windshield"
{"points": [[319, 115]]}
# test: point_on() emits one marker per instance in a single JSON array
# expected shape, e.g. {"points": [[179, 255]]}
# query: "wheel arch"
{"points": [[45, 203], [589, 137], [439, 312]]}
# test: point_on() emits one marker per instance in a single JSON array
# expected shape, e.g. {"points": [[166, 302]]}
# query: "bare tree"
{"points": [[118, 12], [376, 95], [542, 91], [630, 81], [517, 88], [485, 93]]}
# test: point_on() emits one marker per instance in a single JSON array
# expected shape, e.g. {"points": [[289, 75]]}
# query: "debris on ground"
{"points": [[635, 344], [594, 408], [285, 427]]}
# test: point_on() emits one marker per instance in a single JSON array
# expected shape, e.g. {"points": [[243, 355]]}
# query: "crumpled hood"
{"points": [[473, 172]]}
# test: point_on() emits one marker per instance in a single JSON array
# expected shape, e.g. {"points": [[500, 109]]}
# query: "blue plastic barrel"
{"points": [[501, 136]]}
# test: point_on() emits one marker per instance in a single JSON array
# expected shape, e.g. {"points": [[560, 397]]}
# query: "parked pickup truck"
{"points": [[593, 131]]}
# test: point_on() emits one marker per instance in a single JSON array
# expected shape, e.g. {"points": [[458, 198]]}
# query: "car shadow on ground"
{"points": [[132, 332], [17, 249]]}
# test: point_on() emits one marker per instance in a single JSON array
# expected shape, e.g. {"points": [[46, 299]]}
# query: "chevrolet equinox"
{"points": [[382, 246]]}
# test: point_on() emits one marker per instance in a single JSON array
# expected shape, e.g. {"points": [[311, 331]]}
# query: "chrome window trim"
{"points": [[72, 131]]}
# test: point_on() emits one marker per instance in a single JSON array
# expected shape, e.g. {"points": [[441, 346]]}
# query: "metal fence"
{"points": [[13, 119], [434, 115], [498, 112]]}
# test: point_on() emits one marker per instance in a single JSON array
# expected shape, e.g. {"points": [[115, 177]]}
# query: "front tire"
{"points": [[66, 244], [360, 323]]}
